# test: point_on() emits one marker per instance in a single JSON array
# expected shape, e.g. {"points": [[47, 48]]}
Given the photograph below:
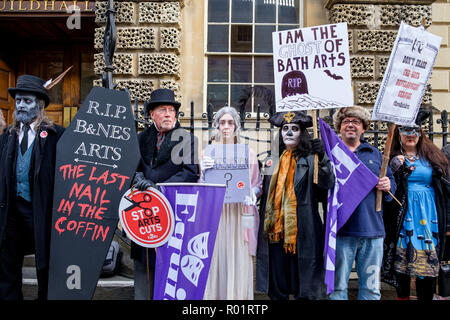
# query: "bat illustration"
{"points": [[334, 76]]}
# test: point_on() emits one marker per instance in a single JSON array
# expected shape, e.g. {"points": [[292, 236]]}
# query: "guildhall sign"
{"points": [[45, 6]]}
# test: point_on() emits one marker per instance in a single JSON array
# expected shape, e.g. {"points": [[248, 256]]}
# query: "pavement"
{"points": [[120, 287]]}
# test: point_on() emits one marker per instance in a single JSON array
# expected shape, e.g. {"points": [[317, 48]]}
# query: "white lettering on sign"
{"points": [[74, 280], [176, 242]]}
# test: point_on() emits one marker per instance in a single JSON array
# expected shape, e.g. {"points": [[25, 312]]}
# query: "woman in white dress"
{"points": [[231, 271]]}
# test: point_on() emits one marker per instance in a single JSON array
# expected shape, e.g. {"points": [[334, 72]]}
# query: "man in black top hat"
{"points": [[27, 157], [168, 154]]}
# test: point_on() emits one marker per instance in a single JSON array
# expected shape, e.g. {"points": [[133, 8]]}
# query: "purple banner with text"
{"points": [[182, 264]]}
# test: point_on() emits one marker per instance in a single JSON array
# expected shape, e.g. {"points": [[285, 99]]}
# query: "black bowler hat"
{"points": [[33, 84], [279, 119], [161, 97]]}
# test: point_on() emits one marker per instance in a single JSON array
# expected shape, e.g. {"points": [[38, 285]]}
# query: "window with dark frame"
{"points": [[239, 48]]}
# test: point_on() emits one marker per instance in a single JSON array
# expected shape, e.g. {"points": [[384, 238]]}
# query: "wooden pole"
{"points": [[385, 163], [316, 156]]}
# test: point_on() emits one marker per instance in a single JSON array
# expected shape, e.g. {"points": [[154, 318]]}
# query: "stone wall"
{"points": [[373, 27], [148, 46], [440, 79], [372, 32]]}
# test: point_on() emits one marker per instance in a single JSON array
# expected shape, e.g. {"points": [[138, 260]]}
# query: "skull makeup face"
{"points": [[27, 107], [291, 135]]}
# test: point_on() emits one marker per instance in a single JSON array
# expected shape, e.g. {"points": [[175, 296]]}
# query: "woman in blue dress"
{"points": [[416, 231]]}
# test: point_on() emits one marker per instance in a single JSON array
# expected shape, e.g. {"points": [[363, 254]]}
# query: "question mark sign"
{"points": [[229, 179]]}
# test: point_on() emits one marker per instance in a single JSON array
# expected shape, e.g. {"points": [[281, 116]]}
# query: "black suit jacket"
{"points": [[176, 161], [41, 177]]}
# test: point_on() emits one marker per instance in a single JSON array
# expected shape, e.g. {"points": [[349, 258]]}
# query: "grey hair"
{"points": [[237, 123]]}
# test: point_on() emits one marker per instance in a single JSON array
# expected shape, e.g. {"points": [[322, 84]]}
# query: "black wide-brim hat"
{"points": [[32, 84], [423, 114], [161, 97], [279, 119]]}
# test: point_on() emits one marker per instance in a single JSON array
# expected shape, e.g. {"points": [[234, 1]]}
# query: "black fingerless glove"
{"points": [[318, 147], [143, 184]]}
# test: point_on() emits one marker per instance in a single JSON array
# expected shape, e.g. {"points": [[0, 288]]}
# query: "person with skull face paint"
{"points": [[28, 153], [231, 271], [291, 239]]}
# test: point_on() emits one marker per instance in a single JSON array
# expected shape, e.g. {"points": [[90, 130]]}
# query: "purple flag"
{"points": [[353, 182], [182, 264]]}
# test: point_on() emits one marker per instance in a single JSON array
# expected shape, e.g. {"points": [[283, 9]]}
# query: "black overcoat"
{"points": [[176, 161], [394, 216], [41, 177], [311, 230]]}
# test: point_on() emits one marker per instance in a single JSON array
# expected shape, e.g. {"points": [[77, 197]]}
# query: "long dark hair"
{"points": [[304, 146], [425, 149]]}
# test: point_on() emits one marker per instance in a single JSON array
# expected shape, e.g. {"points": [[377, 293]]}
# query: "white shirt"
{"points": [[31, 133]]}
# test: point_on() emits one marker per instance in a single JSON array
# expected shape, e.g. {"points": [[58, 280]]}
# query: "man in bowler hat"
{"points": [[168, 154], [27, 157]]}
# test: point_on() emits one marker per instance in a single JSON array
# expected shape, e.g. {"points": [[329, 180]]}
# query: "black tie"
{"points": [[24, 143]]}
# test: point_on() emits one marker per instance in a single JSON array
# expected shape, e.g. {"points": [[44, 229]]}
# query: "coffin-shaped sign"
{"points": [[96, 159]]}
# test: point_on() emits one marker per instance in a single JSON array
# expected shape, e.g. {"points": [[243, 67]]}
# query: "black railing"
{"points": [[258, 122]]}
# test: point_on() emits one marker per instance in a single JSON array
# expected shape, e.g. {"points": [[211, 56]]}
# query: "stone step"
{"points": [[122, 288], [113, 288]]}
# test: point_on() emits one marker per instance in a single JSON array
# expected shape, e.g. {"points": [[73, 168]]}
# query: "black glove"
{"points": [[317, 147], [143, 184]]}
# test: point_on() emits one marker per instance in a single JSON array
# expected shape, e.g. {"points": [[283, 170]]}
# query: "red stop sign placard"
{"points": [[147, 217]]}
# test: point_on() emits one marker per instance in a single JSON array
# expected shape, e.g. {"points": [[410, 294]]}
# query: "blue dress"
{"points": [[416, 247]]}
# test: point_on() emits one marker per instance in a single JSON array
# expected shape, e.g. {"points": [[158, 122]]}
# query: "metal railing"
{"points": [[258, 122]]}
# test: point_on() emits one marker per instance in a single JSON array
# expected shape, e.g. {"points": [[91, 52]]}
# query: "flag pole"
{"points": [[148, 274], [387, 152], [316, 156], [385, 163]]}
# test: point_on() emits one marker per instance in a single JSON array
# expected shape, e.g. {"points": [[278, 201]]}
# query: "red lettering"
{"points": [[97, 231], [77, 189], [80, 224], [108, 178], [58, 222], [405, 95], [66, 206], [415, 75], [86, 193], [72, 173], [71, 225]]}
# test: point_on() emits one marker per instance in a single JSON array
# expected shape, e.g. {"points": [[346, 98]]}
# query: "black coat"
{"points": [[311, 230], [159, 167], [41, 177], [394, 215]]}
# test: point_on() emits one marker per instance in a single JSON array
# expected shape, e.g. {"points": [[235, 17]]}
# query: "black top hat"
{"points": [[279, 119], [160, 97], [33, 84]]}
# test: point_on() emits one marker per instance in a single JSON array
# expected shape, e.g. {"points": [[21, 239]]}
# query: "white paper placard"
{"points": [[406, 75], [312, 68]]}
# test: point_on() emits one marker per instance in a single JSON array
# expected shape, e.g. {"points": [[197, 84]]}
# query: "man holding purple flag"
{"points": [[360, 231], [182, 264]]}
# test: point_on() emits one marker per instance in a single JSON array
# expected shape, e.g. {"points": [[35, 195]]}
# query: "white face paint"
{"points": [[27, 107], [291, 135]]}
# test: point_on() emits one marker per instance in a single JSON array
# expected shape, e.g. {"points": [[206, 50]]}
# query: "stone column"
{"points": [[148, 44]]}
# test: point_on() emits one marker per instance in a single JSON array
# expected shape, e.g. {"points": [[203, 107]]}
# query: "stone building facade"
{"points": [[166, 44]]}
